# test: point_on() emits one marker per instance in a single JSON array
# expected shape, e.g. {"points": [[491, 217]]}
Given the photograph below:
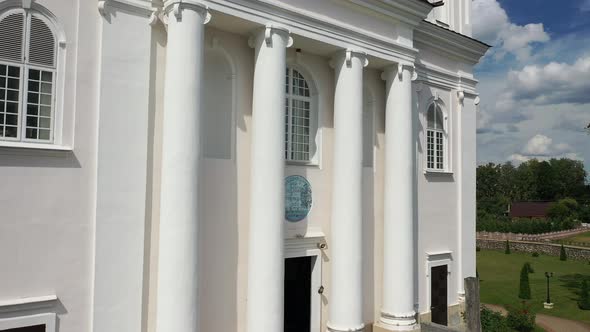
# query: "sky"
{"points": [[534, 83]]}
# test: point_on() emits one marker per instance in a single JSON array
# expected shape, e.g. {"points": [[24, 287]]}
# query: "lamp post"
{"points": [[548, 304]]}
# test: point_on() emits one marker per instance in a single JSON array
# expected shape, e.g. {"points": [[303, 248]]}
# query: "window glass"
{"points": [[297, 117]]}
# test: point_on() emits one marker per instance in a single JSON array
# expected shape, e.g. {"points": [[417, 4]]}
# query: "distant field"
{"points": [[500, 274]]}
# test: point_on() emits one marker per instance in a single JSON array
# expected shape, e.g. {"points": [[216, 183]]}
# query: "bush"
{"points": [[507, 250], [522, 320], [584, 302], [535, 254], [562, 254], [492, 321], [477, 249], [529, 267], [525, 287]]}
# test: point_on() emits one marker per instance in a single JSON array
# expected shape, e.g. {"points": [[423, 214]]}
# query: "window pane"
{"points": [[45, 111], [10, 131], [33, 74], [11, 108], [12, 95], [430, 117], [44, 123], [439, 119], [46, 76], [2, 82], [11, 119], [44, 134], [13, 71], [31, 133], [33, 85]]}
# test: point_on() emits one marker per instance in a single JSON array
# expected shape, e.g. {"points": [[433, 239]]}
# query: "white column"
{"points": [[265, 257], [397, 312], [346, 296], [177, 262]]}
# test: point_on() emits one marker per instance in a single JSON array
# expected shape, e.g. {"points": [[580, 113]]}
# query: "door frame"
{"points": [[310, 247], [433, 260]]}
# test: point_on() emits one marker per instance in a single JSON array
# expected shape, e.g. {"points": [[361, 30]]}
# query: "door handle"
{"points": [[321, 290]]}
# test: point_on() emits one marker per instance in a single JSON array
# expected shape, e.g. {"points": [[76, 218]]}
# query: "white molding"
{"points": [[449, 43], [446, 79], [27, 303], [316, 27], [310, 247], [47, 319], [34, 146], [434, 259], [408, 11], [140, 7]]}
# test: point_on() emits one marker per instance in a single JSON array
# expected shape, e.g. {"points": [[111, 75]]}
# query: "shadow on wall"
{"points": [[18, 157]]}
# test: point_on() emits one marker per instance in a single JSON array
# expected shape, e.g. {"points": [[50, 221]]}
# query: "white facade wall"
{"points": [[84, 224]]}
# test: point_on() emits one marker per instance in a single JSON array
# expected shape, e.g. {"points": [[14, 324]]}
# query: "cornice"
{"points": [[449, 43], [315, 27], [446, 80], [140, 7], [411, 12]]}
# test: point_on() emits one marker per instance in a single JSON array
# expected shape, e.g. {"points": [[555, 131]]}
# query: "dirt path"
{"points": [[550, 323]]}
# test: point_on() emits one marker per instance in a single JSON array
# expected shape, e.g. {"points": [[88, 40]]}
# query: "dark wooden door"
{"points": [[297, 294], [438, 294]]}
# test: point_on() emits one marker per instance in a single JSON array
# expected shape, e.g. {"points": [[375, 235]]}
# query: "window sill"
{"points": [[34, 146], [437, 172], [302, 163]]}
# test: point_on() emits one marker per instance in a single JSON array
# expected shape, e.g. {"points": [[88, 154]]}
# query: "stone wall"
{"points": [[531, 237], [551, 249]]}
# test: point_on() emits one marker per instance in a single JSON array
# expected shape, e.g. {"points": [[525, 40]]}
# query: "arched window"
{"points": [[435, 138], [28, 67], [298, 118]]}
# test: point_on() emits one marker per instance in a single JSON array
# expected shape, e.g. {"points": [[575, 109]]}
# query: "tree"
{"points": [[507, 250], [529, 267], [584, 302], [525, 288], [562, 254]]}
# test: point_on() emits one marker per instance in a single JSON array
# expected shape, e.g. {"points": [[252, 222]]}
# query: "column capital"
{"points": [[391, 71], [176, 7], [347, 55], [267, 31]]}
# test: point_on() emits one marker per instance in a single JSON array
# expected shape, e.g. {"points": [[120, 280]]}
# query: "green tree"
{"points": [[507, 250], [525, 287], [584, 302], [562, 254]]}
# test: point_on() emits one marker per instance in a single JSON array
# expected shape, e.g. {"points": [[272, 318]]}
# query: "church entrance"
{"points": [[298, 294], [438, 294]]}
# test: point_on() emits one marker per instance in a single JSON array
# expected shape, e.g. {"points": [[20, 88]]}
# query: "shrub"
{"points": [[522, 320], [492, 321], [477, 249], [584, 302], [562, 254], [507, 250], [529, 267], [525, 287], [535, 254]]}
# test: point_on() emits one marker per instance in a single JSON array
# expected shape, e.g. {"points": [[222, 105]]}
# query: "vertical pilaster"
{"points": [[397, 312], [177, 301], [346, 295], [266, 242]]}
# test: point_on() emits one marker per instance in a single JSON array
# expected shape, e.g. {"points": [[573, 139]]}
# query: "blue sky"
{"points": [[535, 81]]}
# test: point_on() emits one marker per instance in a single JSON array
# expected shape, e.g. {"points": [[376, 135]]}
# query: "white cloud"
{"points": [[538, 145], [585, 6], [554, 83], [493, 26], [541, 147]]}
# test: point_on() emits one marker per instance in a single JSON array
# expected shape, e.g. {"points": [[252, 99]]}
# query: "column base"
{"points": [[382, 327], [332, 328], [399, 322]]}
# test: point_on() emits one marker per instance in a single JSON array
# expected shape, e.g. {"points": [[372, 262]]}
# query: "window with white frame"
{"points": [[436, 138], [28, 67], [298, 117]]}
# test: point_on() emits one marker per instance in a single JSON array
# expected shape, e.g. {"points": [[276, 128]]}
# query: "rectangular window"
{"points": [[439, 151], [430, 149], [9, 101]]}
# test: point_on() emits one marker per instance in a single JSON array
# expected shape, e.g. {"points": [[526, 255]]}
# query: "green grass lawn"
{"points": [[500, 275]]}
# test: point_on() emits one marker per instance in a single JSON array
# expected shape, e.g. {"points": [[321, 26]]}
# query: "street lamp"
{"points": [[548, 304]]}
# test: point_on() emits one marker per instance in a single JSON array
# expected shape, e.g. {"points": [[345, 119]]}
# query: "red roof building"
{"points": [[537, 209]]}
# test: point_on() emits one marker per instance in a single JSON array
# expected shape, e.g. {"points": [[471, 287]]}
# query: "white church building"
{"points": [[236, 165]]}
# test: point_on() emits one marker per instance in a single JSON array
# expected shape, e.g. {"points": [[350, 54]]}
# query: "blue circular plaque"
{"points": [[297, 198]]}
